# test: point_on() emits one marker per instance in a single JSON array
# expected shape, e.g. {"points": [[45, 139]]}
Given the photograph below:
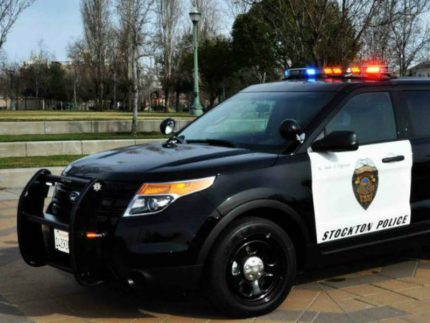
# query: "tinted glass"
{"points": [[252, 120], [418, 107], [369, 115]]}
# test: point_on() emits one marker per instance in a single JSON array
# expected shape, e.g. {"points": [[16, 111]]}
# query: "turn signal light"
{"points": [[91, 235], [176, 188]]}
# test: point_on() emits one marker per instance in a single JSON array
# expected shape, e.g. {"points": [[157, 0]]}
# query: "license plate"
{"points": [[61, 240]]}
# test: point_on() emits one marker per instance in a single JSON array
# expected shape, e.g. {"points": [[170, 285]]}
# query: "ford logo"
{"points": [[73, 196]]}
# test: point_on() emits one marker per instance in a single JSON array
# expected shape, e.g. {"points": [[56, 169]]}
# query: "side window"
{"points": [[418, 109], [369, 115]]}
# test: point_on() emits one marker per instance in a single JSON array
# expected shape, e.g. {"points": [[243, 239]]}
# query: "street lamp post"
{"points": [[196, 108]]}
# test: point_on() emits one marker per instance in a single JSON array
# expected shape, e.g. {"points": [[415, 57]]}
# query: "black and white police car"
{"points": [[282, 177]]}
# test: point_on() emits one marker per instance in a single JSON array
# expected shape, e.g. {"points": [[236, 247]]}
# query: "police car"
{"points": [[321, 167]]}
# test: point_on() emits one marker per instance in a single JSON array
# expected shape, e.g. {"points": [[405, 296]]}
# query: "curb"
{"points": [[73, 147], [18, 178], [90, 126]]}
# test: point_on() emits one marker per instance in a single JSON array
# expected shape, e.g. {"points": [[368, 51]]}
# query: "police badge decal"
{"points": [[365, 182]]}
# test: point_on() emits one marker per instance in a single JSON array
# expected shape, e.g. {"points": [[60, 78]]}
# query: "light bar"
{"points": [[370, 70]]}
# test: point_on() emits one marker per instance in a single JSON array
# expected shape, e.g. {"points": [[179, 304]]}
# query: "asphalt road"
{"points": [[396, 289]]}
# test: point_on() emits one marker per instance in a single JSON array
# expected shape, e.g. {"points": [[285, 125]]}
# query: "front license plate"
{"points": [[61, 240]]}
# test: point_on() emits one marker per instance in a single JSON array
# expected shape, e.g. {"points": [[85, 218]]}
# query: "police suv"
{"points": [[278, 179]]}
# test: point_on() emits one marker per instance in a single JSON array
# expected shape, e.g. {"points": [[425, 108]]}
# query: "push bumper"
{"points": [[35, 228], [92, 261]]}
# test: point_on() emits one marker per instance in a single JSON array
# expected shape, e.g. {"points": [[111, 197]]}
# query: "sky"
{"points": [[56, 22]]}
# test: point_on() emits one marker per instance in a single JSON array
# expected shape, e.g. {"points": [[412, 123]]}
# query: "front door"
{"points": [[367, 190]]}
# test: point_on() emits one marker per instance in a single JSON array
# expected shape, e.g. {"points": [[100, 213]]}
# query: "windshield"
{"points": [[252, 120]]}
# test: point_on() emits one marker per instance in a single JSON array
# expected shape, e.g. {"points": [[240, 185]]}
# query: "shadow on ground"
{"points": [[46, 291]]}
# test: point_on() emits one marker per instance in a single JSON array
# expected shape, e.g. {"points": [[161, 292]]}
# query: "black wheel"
{"points": [[252, 269]]}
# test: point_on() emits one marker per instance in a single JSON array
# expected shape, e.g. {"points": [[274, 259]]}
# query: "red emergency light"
{"points": [[371, 70]]}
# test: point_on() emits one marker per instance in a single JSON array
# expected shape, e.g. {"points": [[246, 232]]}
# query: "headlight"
{"points": [[156, 197]]}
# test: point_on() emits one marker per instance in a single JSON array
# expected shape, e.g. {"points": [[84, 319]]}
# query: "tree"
{"points": [[216, 67], [376, 41], [238, 7], [57, 83], [210, 21], [182, 73], [408, 33], [278, 34], [134, 19], [168, 15], [39, 63], [97, 34], [34, 74], [252, 49], [9, 12]]}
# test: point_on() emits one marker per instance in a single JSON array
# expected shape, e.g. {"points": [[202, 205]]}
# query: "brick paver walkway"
{"points": [[394, 292]]}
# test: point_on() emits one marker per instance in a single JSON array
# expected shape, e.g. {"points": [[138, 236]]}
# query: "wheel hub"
{"points": [[253, 268]]}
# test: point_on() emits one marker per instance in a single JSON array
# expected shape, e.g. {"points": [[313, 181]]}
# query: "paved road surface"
{"points": [[392, 290]]}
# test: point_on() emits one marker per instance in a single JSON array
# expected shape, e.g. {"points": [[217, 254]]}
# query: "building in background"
{"points": [[420, 70]]}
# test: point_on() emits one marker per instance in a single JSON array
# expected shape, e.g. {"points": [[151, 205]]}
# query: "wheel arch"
{"points": [[280, 213]]}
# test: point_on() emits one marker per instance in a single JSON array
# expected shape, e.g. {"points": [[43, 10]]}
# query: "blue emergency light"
{"points": [[311, 72]]}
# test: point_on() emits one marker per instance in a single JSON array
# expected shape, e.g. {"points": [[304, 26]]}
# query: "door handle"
{"points": [[393, 159]]}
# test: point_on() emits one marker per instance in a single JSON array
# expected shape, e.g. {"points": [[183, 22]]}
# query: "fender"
{"points": [[243, 208]]}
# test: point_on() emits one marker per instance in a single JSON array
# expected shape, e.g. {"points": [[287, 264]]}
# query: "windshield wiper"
{"points": [[213, 142]]}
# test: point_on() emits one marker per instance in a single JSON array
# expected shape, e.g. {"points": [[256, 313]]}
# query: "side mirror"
{"points": [[337, 141], [167, 126], [290, 129]]}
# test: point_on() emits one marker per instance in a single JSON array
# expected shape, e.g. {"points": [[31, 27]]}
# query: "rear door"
{"points": [[367, 190], [415, 106]]}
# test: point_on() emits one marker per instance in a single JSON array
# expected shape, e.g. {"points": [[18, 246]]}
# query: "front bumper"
{"points": [[127, 249]]}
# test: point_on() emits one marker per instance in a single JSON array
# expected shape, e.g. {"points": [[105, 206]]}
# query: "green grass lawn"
{"points": [[6, 115], [79, 136], [30, 162]]}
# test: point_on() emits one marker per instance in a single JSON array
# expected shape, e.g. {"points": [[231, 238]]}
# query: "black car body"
{"points": [[304, 184]]}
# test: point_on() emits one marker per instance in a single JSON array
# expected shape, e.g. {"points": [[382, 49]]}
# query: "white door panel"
{"points": [[356, 193]]}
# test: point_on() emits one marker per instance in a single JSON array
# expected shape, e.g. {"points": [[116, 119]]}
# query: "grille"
{"points": [[61, 204], [113, 205]]}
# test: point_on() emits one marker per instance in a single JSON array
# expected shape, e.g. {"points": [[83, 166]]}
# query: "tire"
{"points": [[252, 269]]}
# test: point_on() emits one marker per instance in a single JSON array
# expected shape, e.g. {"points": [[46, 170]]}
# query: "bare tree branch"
{"points": [[9, 12]]}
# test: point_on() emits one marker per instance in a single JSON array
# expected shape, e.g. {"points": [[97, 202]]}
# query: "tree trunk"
{"points": [[166, 99], [177, 107], [102, 88], [114, 89], [75, 94], [135, 92]]}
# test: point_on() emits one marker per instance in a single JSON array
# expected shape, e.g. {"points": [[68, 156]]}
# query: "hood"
{"points": [[155, 162]]}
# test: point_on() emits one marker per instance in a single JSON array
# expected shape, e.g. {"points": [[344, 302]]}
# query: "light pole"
{"points": [[196, 108]]}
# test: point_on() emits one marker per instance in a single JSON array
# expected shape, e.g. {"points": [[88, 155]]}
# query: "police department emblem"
{"points": [[365, 182], [97, 187]]}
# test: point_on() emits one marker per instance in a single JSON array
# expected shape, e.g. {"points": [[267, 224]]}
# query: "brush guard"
{"points": [[85, 258]]}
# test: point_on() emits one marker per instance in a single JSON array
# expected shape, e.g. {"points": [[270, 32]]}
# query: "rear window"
{"points": [[417, 104]]}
